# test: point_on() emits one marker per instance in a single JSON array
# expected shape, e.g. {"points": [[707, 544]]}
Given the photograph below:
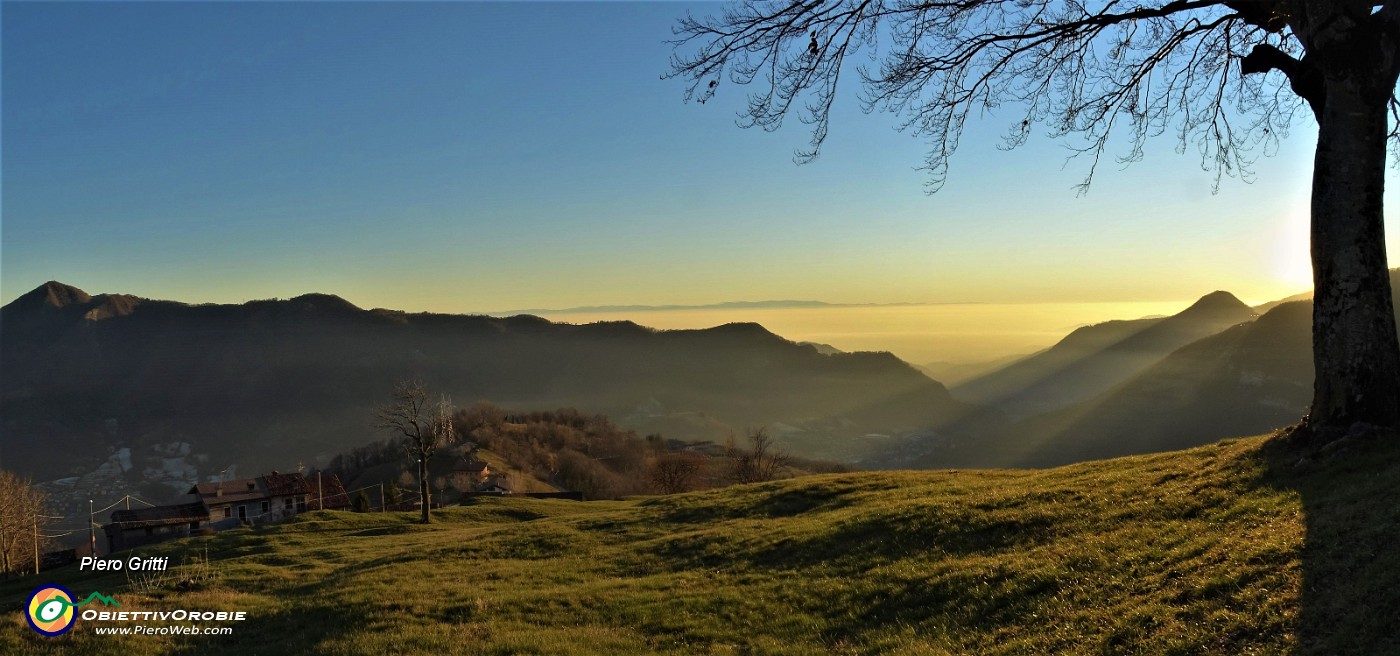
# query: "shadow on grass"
{"points": [[771, 500], [396, 529], [1350, 492], [979, 601], [854, 546]]}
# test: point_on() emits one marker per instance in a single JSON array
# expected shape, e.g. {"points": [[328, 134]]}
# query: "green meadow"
{"points": [[1243, 547]]}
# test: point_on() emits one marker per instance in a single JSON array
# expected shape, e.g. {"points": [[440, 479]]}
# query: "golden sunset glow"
{"points": [[962, 333]]}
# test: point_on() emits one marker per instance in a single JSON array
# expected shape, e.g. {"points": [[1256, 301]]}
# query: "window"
{"points": [[228, 512], [266, 506], [288, 505]]}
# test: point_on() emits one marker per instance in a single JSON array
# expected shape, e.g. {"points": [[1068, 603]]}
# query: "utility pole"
{"points": [[382, 505], [37, 517], [92, 532], [320, 496]]}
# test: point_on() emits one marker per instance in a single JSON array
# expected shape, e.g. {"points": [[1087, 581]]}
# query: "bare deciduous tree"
{"points": [[677, 472], [421, 427], [21, 524], [1224, 77], [760, 462]]}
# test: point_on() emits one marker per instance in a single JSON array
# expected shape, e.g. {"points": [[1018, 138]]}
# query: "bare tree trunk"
{"points": [[5, 547], [423, 489], [1355, 351]]}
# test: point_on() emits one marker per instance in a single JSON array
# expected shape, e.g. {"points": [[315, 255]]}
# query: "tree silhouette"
{"points": [[678, 471], [1225, 77], [760, 463], [420, 427]]}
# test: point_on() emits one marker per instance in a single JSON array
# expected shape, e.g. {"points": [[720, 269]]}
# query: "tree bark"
{"points": [[1356, 354]]}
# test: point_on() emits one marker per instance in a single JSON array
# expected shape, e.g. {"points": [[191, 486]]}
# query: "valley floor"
{"points": [[1233, 548]]}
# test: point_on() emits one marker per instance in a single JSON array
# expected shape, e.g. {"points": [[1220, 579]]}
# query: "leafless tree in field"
{"points": [[422, 428], [761, 462], [677, 472]]}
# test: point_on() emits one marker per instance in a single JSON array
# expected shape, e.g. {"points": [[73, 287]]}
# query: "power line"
{"points": [[114, 505]]}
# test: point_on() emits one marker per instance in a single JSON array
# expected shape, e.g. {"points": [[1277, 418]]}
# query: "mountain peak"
{"points": [[320, 301], [1218, 301], [741, 328], [54, 294]]}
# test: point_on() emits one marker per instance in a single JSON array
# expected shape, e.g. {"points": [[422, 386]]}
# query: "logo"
{"points": [[50, 608]]}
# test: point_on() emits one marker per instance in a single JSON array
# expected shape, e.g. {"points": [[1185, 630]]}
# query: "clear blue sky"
{"points": [[478, 156]]}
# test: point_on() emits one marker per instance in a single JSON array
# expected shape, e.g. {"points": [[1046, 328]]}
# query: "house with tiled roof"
{"points": [[287, 494], [233, 502], [220, 505], [467, 474]]}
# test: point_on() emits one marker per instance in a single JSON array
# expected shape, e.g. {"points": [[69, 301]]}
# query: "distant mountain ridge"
{"points": [[294, 379], [728, 305], [1249, 378], [1094, 358], [1265, 307], [268, 383]]}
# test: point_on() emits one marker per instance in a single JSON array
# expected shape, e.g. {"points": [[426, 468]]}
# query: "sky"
{"points": [[475, 157]]}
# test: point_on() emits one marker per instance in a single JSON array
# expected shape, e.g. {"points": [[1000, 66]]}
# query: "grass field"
{"points": [[1232, 549]]}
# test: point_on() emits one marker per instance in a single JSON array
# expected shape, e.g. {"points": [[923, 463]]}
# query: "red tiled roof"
{"points": [[240, 489], [334, 496], [282, 485]]}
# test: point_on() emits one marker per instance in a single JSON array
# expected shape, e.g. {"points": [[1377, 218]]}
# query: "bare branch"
{"points": [[1393, 136], [1081, 69], [1266, 57]]}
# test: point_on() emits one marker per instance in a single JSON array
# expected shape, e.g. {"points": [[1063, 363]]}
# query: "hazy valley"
{"points": [[154, 395], [166, 393]]}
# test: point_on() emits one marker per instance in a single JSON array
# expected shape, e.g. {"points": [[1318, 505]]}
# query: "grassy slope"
{"points": [[1226, 549]]}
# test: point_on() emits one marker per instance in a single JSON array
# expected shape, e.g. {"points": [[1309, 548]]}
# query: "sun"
{"points": [[1292, 261]]}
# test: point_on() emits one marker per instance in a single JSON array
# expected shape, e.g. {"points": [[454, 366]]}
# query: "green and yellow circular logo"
{"points": [[50, 610]]}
